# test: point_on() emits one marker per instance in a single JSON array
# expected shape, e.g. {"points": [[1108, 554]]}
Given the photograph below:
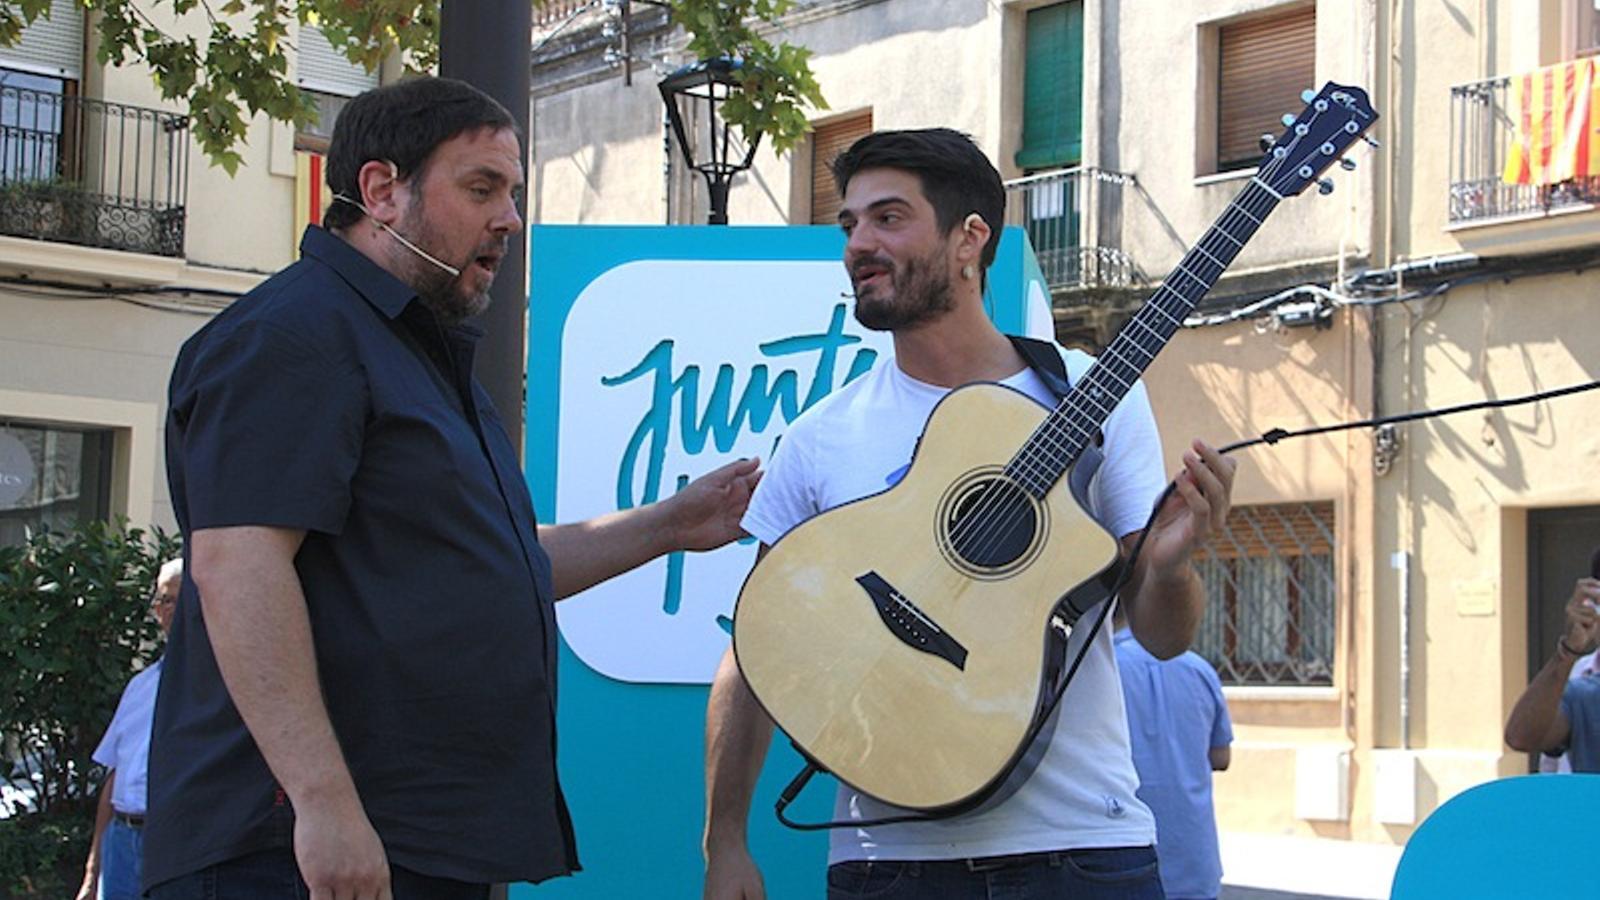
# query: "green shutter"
{"points": [[1052, 93]]}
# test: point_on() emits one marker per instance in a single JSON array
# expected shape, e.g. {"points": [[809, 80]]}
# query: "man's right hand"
{"points": [[340, 856], [1583, 617], [733, 875]]}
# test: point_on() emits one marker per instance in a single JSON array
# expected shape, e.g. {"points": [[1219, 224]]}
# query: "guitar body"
{"points": [[903, 641]]}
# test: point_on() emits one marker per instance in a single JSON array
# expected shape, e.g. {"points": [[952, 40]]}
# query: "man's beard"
{"points": [[437, 289], [921, 294]]}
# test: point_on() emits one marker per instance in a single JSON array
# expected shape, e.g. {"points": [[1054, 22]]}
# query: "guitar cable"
{"points": [[1272, 436]]}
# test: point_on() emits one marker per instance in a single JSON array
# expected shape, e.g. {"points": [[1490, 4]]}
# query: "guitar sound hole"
{"points": [[991, 523]]}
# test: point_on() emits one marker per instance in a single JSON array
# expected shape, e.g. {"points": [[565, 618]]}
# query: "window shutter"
{"points": [[829, 140], [321, 68], [1288, 529], [1265, 63], [1052, 92], [50, 46]]}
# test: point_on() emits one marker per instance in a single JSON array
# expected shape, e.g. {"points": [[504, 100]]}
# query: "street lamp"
{"points": [[708, 82]]}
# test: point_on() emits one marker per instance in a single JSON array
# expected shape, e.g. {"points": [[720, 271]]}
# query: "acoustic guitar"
{"points": [[904, 641]]}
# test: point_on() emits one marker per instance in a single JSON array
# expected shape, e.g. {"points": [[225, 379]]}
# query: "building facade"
{"points": [[1381, 595], [117, 241]]}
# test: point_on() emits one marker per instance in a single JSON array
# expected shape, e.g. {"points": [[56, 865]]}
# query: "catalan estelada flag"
{"points": [[1556, 117], [311, 194]]}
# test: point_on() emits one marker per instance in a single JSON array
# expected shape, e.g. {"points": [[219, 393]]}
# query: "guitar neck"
{"points": [[1056, 445]]}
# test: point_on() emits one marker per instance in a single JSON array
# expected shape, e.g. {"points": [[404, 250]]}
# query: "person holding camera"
{"points": [[1557, 715]]}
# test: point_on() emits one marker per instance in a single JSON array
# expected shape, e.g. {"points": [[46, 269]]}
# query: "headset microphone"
{"points": [[454, 272]]}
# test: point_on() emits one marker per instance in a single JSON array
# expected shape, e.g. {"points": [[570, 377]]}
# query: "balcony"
{"points": [[92, 173], [1482, 130], [1073, 217]]}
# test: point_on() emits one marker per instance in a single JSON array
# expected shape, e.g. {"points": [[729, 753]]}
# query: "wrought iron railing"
{"points": [[554, 12], [1482, 128], [1073, 218], [88, 172], [1271, 594]]}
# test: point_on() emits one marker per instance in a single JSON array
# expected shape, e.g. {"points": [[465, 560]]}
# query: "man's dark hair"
{"points": [[403, 123], [956, 177]]}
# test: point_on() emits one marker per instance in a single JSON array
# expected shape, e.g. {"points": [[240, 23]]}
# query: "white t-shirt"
{"points": [[858, 441], [126, 745]]}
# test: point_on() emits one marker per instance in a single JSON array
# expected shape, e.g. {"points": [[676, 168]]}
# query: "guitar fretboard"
{"points": [[1075, 421]]}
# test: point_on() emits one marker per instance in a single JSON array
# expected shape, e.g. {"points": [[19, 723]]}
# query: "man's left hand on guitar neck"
{"points": [[1164, 599]]}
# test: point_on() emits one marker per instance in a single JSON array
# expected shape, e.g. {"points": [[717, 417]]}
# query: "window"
{"points": [[1052, 90], [331, 79], [1585, 27], [1263, 63], [51, 476], [38, 79], [828, 140], [1270, 596]]}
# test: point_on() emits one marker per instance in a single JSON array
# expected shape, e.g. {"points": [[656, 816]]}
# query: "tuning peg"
{"points": [[1371, 142], [1349, 165], [1325, 187], [1287, 120], [1267, 142], [1308, 95]]}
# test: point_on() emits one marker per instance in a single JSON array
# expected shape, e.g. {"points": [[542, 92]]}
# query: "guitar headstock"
{"points": [[1334, 118]]}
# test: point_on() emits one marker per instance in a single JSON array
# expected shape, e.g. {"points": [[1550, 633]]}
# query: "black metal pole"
{"points": [[486, 43]]}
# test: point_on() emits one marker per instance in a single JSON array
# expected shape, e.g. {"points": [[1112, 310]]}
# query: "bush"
{"points": [[74, 626]]}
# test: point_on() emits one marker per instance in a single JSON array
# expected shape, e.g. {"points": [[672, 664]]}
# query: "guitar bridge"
{"points": [[910, 624]]}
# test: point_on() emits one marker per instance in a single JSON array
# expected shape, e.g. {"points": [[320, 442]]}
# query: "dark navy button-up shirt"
{"points": [[331, 400]]}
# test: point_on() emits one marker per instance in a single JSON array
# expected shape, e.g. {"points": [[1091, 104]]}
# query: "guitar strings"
{"points": [[996, 521]]}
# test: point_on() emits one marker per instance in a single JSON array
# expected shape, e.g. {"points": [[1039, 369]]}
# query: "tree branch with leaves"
{"points": [[241, 68]]}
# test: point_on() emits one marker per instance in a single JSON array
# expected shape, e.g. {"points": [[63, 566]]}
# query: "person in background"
{"points": [[1559, 713], [1180, 731], [113, 869]]}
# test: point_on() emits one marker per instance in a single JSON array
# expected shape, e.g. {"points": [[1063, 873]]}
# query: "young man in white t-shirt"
{"points": [[922, 211]]}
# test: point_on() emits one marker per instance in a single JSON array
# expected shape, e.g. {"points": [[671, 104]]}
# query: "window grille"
{"points": [[1271, 594]]}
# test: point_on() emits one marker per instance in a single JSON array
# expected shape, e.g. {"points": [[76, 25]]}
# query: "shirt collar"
{"points": [[387, 293]]}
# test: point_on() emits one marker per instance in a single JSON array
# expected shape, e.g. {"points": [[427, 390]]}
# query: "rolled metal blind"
{"points": [[321, 68], [828, 141], [50, 46], [1265, 63]]}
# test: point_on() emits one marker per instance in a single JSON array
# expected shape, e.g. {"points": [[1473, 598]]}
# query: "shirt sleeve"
{"points": [[1222, 723], [269, 431], [1132, 476], [1576, 721], [784, 497], [106, 752]]}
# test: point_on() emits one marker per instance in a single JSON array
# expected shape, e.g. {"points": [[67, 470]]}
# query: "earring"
{"points": [[967, 272]]}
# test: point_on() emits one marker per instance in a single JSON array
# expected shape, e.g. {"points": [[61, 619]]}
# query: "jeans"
{"points": [[274, 875], [1115, 873], [121, 851]]}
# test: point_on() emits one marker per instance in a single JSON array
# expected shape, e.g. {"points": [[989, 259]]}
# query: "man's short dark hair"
{"points": [[403, 123], [956, 177]]}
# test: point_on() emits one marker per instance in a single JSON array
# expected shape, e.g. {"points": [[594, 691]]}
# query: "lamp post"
{"points": [[708, 82]]}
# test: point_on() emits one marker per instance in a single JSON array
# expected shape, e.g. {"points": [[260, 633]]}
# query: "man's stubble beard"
{"points": [[922, 293], [438, 290]]}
